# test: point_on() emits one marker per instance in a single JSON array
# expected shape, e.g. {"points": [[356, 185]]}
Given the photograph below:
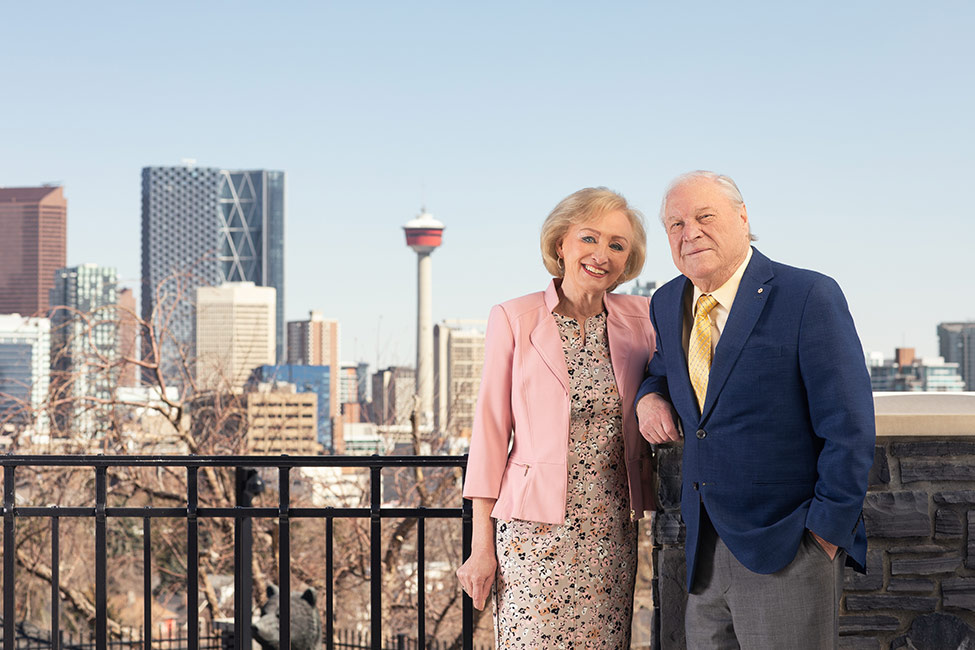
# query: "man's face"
{"points": [[708, 233]]}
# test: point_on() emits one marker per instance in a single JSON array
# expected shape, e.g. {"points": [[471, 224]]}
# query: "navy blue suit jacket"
{"points": [[786, 437]]}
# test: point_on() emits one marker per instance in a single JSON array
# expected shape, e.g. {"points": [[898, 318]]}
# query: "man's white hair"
{"points": [[724, 183]]}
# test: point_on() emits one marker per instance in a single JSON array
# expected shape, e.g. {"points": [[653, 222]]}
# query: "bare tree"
{"points": [[206, 422]]}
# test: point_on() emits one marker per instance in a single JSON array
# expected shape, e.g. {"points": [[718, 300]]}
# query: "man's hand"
{"points": [[657, 421], [831, 549], [476, 576]]}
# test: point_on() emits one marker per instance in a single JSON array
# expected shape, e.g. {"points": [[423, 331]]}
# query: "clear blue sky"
{"points": [[849, 126]]}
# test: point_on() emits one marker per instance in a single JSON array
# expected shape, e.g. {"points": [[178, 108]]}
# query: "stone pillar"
{"points": [[669, 572], [919, 589]]}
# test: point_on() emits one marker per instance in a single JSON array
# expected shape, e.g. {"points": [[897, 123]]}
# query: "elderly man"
{"points": [[762, 365]]}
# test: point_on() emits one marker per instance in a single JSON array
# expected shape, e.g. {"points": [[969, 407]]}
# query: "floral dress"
{"points": [[570, 585]]}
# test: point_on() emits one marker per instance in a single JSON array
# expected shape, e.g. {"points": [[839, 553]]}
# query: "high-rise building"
{"points": [[202, 226], [365, 386], [33, 221], [352, 394], [306, 379], [315, 342], [349, 388], [234, 333], [458, 358], [25, 373], [393, 391], [957, 345], [84, 349]]}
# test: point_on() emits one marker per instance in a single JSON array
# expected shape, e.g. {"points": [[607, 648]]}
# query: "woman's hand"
{"points": [[477, 575]]}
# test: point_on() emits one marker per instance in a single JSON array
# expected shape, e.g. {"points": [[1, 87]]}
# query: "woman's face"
{"points": [[595, 253]]}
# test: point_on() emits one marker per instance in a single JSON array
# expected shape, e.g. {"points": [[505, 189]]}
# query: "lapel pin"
{"points": [[760, 289]]}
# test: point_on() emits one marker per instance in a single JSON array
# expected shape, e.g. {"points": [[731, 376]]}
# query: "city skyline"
{"points": [[846, 129]]}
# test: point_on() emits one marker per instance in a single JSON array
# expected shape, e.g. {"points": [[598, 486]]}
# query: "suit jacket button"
{"points": [[702, 434]]}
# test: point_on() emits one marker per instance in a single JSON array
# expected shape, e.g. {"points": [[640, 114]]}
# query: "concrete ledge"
{"points": [[925, 414]]}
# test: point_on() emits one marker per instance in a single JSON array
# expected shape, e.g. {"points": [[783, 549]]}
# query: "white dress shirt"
{"points": [[724, 295]]}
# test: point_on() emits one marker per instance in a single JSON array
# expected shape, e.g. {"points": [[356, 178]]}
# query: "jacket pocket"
{"points": [[514, 489], [783, 481]]}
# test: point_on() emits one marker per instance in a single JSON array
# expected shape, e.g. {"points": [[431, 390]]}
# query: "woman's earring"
{"points": [[561, 265]]}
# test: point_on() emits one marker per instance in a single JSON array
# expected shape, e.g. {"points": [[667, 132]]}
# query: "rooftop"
{"points": [[26, 194]]}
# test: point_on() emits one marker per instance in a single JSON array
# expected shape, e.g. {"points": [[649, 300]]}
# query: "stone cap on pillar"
{"points": [[924, 413]]}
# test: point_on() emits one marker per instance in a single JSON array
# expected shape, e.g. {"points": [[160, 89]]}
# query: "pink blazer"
{"points": [[520, 438]]}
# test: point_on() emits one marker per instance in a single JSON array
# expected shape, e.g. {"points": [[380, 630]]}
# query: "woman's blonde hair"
{"points": [[582, 207]]}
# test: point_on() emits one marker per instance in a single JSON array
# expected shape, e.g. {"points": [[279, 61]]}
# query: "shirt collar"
{"points": [[725, 294]]}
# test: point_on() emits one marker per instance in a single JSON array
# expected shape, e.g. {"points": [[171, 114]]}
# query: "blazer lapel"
{"points": [[546, 340], [619, 333], [753, 293], [681, 391]]}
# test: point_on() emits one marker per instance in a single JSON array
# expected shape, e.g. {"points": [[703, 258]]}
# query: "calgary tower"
{"points": [[424, 235]]}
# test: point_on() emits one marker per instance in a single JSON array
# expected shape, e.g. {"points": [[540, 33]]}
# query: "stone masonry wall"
{"points": [[919, 589]]}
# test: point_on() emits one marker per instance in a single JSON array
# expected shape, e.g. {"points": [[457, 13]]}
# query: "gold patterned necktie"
{"points": [[699, 347]]}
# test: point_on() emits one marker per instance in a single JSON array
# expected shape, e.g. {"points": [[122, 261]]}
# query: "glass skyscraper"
{"points": [[25, 372], [85, 349], [957, 344], [203, 226]]}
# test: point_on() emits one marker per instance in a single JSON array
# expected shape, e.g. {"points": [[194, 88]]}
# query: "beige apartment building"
{"points": [[458, 354], [235, 333], [282, 421]]}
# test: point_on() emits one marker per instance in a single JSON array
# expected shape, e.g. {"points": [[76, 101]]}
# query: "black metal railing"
{"points": [[243, 513], [212, 637]]}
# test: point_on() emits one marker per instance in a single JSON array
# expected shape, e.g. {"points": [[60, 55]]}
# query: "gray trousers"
{"points": [[732, 607]]}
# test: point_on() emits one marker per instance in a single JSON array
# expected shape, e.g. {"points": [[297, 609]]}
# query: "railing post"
{"points": [[101, 560], [247, 486], [376, 552], [147, 581], [284, 557], [467, 537], [192, 560], [329, 577], [8, 557], [55, 583], [421, 584]]}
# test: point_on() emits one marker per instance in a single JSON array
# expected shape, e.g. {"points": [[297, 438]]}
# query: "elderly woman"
{"points": [[558, 471]]}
